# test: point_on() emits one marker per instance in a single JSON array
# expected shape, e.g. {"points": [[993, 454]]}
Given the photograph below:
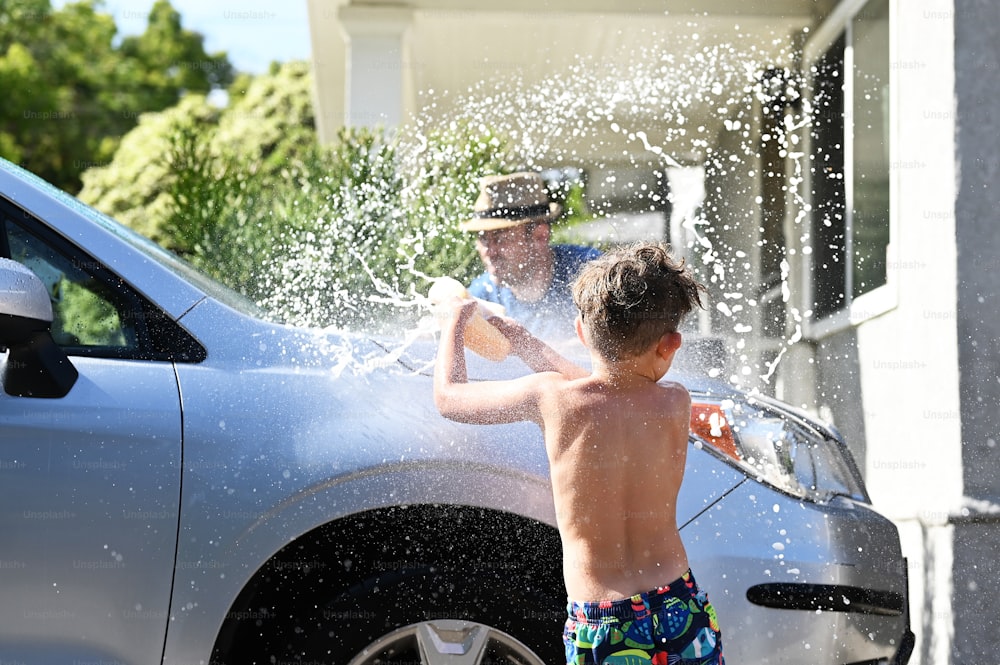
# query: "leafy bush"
{"points": [[345, 235], [133, 187], [352, 234]]}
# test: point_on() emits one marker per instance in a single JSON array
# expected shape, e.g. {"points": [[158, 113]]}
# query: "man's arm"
{"points": [[483, 402]]}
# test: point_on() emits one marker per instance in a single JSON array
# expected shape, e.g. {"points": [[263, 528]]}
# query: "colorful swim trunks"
{"points": [[670, 625]]}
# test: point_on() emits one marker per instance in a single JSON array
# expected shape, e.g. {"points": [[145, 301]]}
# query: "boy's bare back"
{"points": [[616, 437], [616, 456]]}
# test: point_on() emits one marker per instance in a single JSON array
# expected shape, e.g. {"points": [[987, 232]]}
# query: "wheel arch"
{"points": [[239, 549], [377, 544]]}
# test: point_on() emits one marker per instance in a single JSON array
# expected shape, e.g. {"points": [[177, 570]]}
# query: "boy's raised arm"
{"points": [[482, 402], [449, 369], [535, 353]]}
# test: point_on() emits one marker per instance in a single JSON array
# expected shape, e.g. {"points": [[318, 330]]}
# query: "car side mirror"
{"points": [[36, 366]]}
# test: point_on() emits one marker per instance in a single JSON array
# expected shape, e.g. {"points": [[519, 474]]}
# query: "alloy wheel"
{"points": [[447, 642]]}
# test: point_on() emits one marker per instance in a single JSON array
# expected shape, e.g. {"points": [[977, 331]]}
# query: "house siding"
{"points": [[977, 213]]}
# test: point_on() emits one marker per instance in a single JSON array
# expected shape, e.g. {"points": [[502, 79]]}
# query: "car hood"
{"points": [[376, 398]]}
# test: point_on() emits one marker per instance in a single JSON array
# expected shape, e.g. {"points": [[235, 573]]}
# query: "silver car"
{"points": [[186, 482]]}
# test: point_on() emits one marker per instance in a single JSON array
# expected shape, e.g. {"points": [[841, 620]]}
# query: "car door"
{"points": [[89, 482]]}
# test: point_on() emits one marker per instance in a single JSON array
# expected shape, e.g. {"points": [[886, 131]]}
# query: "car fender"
{"points": [[302, 444], [206, 588]]}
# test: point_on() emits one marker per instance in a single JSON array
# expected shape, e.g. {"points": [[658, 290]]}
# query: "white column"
{"points": [[376, 57], [329, 61]]}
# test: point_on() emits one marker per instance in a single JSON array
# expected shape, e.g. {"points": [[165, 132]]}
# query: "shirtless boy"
{"points": [[616, 439]]}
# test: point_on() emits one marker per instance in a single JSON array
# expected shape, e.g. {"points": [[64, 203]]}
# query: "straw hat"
{"points": [[509, 200]]}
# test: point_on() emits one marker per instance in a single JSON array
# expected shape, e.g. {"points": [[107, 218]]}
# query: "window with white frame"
{"points": [[850, 71]]}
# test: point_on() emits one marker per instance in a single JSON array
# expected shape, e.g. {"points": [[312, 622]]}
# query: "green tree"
{"points": [[173, 60], [21, 20], [219, 186], [201, 144], [270, 118], [133, 187], [71, 92]]}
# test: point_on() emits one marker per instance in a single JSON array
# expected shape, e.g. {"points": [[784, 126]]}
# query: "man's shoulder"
{"points": [[569, 259], [483, 287], [579, 253]]}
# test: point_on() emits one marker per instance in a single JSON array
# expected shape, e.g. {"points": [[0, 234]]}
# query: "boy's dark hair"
{"points": [[630, 297]]}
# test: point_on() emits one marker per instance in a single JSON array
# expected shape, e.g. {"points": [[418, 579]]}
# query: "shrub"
{"points": [[345, 235]]}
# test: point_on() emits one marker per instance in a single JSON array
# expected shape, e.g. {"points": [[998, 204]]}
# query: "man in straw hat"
{"points": [[524, 273]]}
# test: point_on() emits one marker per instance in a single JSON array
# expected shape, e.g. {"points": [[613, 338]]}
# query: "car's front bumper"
{"points": [[795, 581]]}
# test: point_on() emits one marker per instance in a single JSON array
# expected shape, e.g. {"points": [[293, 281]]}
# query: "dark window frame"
{"points": [[851, 266]]}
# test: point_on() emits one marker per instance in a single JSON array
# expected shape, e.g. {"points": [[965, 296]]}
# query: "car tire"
{"points": [[422, 614], [466, 586]]}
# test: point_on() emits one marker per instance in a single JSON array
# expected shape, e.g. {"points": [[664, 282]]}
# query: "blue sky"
{"points": [[252, 32]]}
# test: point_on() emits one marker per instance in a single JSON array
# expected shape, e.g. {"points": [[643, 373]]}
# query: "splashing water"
{"points": [[715, 110]]}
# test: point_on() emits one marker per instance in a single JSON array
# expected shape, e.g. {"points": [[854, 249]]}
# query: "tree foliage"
{"points": [[71, 92], [343, 235], [133, 187]]}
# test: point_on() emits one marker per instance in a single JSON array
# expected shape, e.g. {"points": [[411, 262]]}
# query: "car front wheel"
{"points": [[418, 586], [436, 616], [447, 641]]}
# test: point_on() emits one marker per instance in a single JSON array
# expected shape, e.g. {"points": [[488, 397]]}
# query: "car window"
{"points": [[94, 311], [85, 311], [146, 247]]}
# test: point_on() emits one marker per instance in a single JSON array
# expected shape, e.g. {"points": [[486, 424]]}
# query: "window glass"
{"points": [[851, 223], [870, 219], [86, 311], [149, 249], [828, 185], [773, 181]]}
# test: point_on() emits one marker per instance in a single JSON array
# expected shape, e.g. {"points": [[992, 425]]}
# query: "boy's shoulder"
{"points": [[546, 382], [673, 387], [674, 390], [669, 398]]}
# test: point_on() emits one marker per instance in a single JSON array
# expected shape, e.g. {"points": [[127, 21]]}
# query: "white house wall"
{"points": [[908, 355], [329, 62], [896, 348]]}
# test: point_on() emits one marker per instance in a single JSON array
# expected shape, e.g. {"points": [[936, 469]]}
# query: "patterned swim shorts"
{"points": [[670, 625]]}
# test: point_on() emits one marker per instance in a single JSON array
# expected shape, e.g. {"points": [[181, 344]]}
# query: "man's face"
{"points": [[511, 255]]}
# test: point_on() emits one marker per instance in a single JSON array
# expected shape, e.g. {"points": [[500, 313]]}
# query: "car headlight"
{"points": [[777, 447]]}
